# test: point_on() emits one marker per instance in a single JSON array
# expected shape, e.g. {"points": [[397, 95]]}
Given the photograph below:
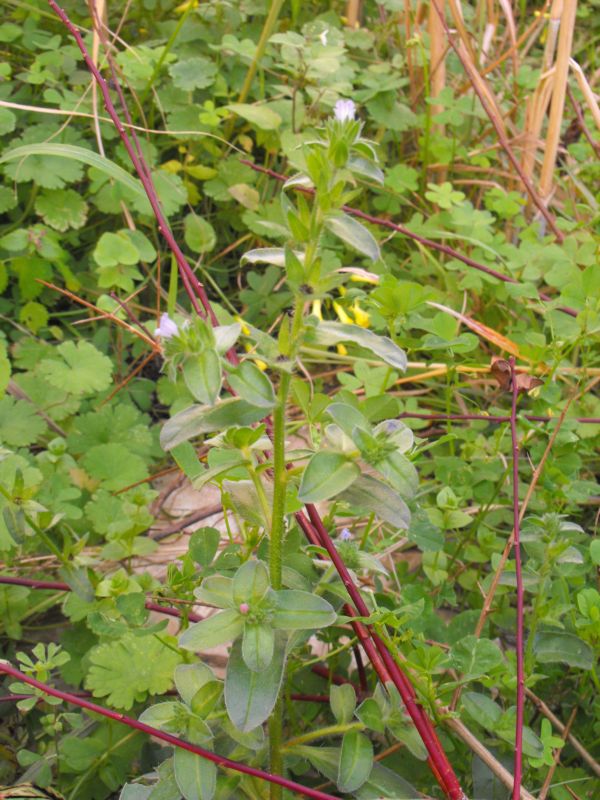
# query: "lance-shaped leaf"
{"points": [[366, 169], [400, 472], [368, 494], [250, 383], [218, 629], [356, 761], [258, 643], [250, 583], [384, 782], [226, 336], [203, 376], [269, 255], [196, 778], [354, 234], [197, 420], [330, 333], [251, 696], [297, 610], [326, 475]]}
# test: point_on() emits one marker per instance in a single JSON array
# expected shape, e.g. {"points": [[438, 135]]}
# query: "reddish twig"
{"points": [[57, 586], [518, 760], [193, 286], [175, 741], [437, 758], [430, 243]]}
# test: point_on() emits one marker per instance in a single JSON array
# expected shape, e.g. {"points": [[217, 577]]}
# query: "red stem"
{"points": [[488, 417], [437, 758], [190, 281], [175, 741], [518, 760], [386, 223], [169, 611]]}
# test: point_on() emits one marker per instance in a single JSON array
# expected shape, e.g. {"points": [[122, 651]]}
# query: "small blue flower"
{"points": [[345, 535], [344, 110]]}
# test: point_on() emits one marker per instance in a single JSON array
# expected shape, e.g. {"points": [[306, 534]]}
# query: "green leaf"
{"points": [[258, 643], [356, 761], [8, 120], [252, 385], [80, 369], [331, 333], [80, 154], [19, 423], [400, 472], [354, 234], [195, 776], [203, 376], [199, 234], [261, 116], [482, 709], [474, 657], [193, 73], [551, 647], [342, 700], [369, 713], [216, 590], [265, 255], [326, 475], [127, 670], [203, 545], [197, 420], [298, 610], [212, 631], [383, 782], [190, 678], [206, 698], [367, 494], [114, 465], [324, 759], [62, 209], [162, 715], [251, 583], [115, 248], [251, 696]]}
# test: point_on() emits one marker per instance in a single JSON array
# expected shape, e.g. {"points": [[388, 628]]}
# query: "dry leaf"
{"points": [[501, 371]]}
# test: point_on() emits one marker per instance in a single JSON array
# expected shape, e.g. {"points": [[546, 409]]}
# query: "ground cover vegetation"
{"points": [[339, 261]]}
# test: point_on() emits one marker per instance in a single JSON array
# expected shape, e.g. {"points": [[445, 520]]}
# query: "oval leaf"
{"points": [[203, 376], [262, 117], [251, 384], [250, 582], [257, 646], [251, 696], [354, 234], [206, 698], [196, 777], [330, 333], [326, 475], [218, 629], [197, 420], [297, 610], [356, 761]]}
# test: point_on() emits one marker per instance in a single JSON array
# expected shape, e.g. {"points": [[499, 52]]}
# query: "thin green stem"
{"points": [[321, 733], [270, 21]]}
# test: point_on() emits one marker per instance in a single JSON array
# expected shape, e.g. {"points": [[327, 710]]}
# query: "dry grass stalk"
{"points": [[353, 9], [535, 113], [437, 53], [561, 74], [586, 91]]}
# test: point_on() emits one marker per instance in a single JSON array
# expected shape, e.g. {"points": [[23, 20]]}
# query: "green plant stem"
{"points": [[270, 21], [278, 528], [321, 733]]}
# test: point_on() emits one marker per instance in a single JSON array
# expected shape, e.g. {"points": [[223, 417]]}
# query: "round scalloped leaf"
{"points": [[62, 209]]}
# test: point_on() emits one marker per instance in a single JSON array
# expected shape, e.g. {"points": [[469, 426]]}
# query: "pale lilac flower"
{"points": [[167, 328], [345, 535], [344, 110], [323, 37], [244, 608]]}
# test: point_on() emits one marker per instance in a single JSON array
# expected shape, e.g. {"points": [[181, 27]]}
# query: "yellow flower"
{"points": [[360, 317]]}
